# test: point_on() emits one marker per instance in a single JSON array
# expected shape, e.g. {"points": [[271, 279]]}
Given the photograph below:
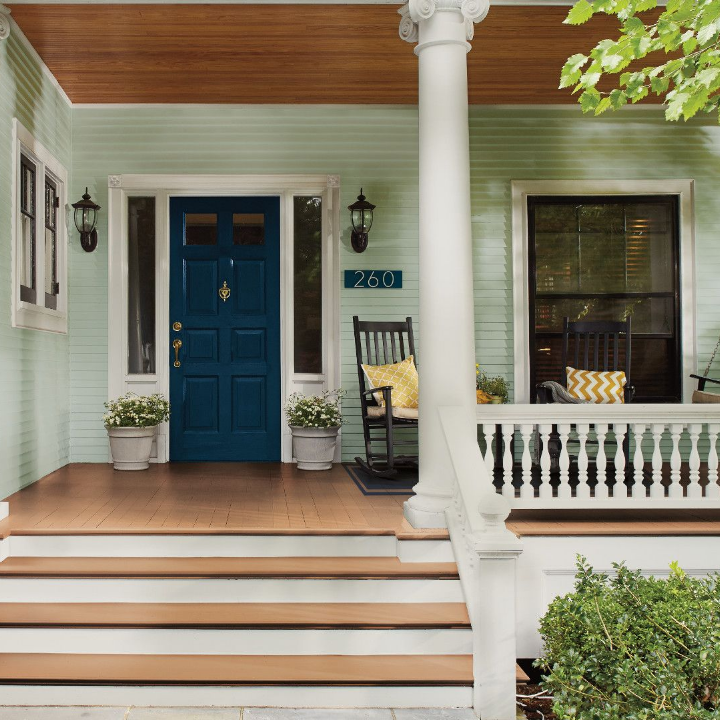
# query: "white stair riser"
{"points": [[425, 551], [236, 642], [4, 510], [203, 546], [260, 696], [4, 548], [228, 546], [197, 590]]}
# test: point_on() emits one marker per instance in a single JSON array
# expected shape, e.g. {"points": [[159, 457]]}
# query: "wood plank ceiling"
{"points": [[288, 53]]}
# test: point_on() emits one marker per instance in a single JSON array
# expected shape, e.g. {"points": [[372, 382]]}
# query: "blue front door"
{"points": [[225, 328]]}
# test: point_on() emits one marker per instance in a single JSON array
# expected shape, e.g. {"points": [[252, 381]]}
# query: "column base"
{"points": [[422, 511]]}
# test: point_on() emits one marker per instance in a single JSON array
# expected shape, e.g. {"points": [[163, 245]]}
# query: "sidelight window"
{"points": [[39, 242]]}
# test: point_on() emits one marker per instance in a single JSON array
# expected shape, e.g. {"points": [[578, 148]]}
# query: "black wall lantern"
{"points": [[361, 213], [85, 221]]}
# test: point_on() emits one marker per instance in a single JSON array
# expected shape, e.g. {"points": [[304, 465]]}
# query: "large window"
{"points": [[607, 258], [39, 240]]}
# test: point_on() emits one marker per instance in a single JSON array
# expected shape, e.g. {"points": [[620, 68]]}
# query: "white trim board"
{"points": [[522, 189], [163, 187]]}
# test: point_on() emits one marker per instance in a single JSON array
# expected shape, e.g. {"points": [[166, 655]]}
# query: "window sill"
{"points": [[32, 317]]}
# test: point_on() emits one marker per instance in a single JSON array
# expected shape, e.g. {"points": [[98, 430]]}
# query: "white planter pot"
{"points": [[130, 447], [314, 448]]}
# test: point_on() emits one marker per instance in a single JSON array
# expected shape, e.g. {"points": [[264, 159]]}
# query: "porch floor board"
{"points": [[253, 498]]}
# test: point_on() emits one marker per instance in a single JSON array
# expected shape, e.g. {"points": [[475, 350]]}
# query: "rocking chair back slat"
{"points": [[596, 338]]}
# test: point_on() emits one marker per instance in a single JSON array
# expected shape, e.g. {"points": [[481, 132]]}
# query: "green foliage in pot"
{"points": [[131, 410], [315, 411], [496, 386], [629, 647]]}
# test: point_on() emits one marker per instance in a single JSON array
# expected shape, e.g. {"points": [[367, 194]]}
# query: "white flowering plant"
{"points": [[315, 411], [131, 410]]}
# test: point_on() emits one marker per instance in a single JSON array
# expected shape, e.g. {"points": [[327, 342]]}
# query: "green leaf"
{"points": [[659, 85], [571, 70], [675, 106], [580, 13], [589, 100]]}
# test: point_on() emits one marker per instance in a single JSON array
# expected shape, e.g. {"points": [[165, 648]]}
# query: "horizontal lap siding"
{"points": [[372, 147], [34, 366]]}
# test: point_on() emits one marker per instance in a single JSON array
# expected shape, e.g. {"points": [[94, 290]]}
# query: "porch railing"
{"points": [[595, 456], [485, 551]]}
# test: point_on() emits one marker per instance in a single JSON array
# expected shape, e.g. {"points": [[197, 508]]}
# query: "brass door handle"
{"points": [[224, 291], [177, 344]]}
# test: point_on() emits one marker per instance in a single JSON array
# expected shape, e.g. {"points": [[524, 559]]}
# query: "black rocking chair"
{"points": [[383, 343]]}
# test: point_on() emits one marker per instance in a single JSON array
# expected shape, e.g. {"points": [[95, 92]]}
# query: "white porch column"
{"points": [[442, 29]]}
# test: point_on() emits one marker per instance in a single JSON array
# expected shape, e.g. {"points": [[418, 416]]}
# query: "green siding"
{"points": [[34, 366], [376, 147]]}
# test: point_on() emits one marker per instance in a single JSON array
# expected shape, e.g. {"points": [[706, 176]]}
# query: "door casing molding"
{"points": [[162, 188]]}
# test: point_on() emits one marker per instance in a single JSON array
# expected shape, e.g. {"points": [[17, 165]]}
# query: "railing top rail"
{"points": [[606, 413]]}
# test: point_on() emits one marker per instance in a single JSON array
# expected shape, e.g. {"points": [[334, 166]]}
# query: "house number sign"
{"points": [[374, 279]]}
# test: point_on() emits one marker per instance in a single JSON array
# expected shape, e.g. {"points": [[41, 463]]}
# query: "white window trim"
{"points": [[163, 187], [23, 314], [522, 189]]}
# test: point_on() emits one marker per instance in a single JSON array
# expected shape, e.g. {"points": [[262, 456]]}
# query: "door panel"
{"points": [[226, 392]]}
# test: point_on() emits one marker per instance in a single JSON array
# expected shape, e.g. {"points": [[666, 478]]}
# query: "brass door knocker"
{"points": [[224, 291]]}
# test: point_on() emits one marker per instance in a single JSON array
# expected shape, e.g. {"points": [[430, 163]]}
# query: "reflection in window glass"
{"points": [[28, 207], [200, 229], [248, 229], [52, 289], [308, 284], [607, 259], [141, 285]]}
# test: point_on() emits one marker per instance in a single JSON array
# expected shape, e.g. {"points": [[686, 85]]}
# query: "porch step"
{"points": [[237, 568], [325, 670], [226, 616]]}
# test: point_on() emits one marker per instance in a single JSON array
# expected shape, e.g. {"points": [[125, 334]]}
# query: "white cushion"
{"points": [[399, 413]]}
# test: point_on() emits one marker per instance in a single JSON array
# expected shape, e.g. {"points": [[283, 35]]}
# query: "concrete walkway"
{"points": [[195, 713]]}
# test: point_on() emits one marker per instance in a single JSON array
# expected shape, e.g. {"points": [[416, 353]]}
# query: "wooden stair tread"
{"points": [[61, 668], [235, 615], [253, 567]]}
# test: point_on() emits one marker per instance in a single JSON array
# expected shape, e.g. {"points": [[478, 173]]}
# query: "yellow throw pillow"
{"points": [[402, 377], [596, 386]]}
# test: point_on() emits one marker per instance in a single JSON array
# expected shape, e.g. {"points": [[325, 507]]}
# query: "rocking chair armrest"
{"points": [[386, 391]]}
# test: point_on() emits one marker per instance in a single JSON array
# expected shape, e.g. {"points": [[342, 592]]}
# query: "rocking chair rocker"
{"points": [[384, 343]]}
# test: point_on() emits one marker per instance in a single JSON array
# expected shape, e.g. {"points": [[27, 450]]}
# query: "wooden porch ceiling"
{"points": [[288, 53]]}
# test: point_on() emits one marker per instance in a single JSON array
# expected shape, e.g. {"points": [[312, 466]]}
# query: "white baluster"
{"points": [[675, 490], [694, 489], [508, 434], [656, 489], [601, 489], [637, 489], [545, 487], [583, 489], [489, 433], [527, 492], [619, 489], [712, 490], [564, 490]]}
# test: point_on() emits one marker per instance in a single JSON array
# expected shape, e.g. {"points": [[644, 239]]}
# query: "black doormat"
{"points": [[368, 484]]}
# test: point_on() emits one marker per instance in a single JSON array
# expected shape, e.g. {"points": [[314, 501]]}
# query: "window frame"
{"points": [[26, 314], [523, 189], [533, 294]]}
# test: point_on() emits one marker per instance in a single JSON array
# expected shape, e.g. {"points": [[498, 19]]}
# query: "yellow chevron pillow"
{"points": [[596, 386], [403, 378]]}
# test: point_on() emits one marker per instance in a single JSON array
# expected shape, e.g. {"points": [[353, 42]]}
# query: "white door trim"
{"points": [[522, 189], [163, 187]]}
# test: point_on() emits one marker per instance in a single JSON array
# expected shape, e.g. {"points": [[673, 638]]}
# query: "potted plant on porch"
{"points": [[493, 390], [131, 421], [314, 421]]}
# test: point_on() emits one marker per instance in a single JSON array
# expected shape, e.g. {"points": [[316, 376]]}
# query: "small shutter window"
{"points": [[52, 287]]}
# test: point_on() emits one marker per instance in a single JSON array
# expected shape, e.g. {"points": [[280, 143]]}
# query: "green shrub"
{"points": [[629, 647]]}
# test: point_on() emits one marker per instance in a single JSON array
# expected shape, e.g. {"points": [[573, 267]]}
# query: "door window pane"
{"points": [[200, 229], [607, 259], [141, 285], [308, 284], [52, 289], [248, 229], [28, 208]]}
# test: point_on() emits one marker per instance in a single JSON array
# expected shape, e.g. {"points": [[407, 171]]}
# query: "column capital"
{"points": [[414, 11], [4, 22]]}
